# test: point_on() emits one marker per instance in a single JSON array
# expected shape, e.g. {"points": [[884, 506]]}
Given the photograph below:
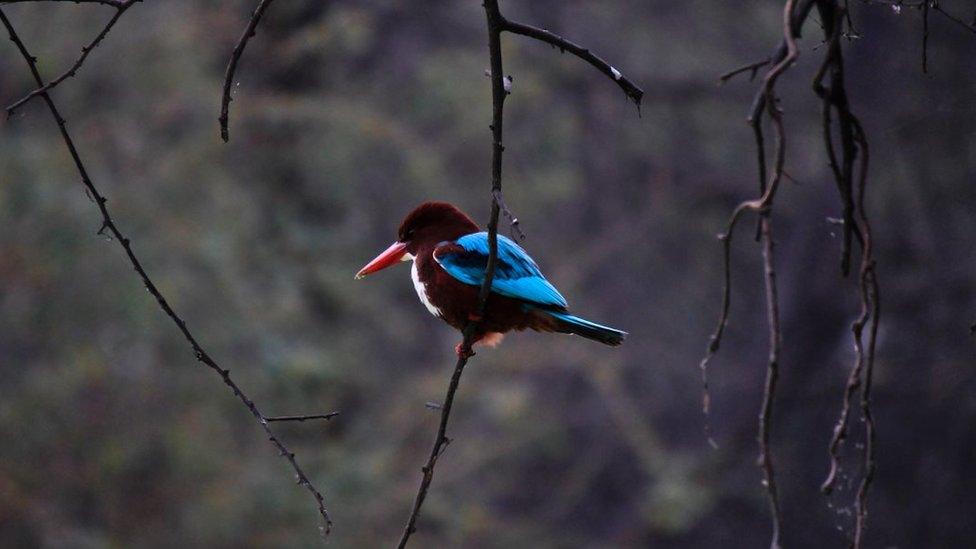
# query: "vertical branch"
{"points": [[772, 374], [772, 298], [925, 37], [871, 305], [235, 57], [766, 99], [853, 144], [782, 58], [108, 224], [495, 24]]}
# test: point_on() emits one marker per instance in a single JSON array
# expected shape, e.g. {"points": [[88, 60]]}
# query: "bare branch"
{"points": [[751, 68], [513, 221], [634, 92], [854, 144], [783, 58], [772, 374], [923, 5], [762, 205], [925, 37], [114, 3], [108, 224], [235, 57], [495, 23], [801, 12], [121, 8], [971, 27], [328, 416]]}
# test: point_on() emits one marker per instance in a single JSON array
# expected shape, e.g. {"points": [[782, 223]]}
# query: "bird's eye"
{"points": [[408, 235]]}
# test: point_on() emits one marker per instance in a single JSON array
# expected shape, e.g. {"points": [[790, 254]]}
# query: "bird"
{"points": [[449, 254]]}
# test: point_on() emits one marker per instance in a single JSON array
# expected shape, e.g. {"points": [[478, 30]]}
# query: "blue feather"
{"points": [[516, 274], [592, 330]]}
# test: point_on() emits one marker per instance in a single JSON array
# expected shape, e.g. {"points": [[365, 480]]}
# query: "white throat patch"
{"points": [[422, 290]]}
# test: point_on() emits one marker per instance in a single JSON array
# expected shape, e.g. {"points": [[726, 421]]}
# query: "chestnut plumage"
{"points": [[449, 256]]}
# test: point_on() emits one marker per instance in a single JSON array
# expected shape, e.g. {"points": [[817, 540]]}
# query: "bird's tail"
{"points": [[590, 330]]}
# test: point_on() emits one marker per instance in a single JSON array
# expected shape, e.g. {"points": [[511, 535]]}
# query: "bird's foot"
{"points": [[463, 352]]}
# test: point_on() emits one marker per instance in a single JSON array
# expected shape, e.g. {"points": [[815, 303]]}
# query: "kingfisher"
{"points": [[450, 254]]}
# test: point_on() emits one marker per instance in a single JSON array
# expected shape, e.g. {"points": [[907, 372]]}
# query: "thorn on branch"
{"points": [[514, 221]]}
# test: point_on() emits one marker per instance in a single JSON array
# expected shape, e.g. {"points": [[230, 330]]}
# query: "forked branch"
{"points": [[108, 224], [120, 9], [766, 97]]}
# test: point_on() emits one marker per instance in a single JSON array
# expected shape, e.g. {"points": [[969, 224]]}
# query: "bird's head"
{"points": [[426, 226]]}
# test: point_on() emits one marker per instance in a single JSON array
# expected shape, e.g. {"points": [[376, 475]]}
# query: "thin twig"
{"points": [[772, 374], [791, 24], [971, 27], [235, 57], [836, 97], [751, 68], [633, 91], [920, 4], [782, 58], [498, 93], [801, 12], [513, 221], [925, 37], [120, 9], [109, 224], [113, 3], [854, 143], [328, 416]]}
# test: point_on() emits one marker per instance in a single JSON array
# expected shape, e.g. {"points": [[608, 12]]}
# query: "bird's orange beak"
{"points": [[395, 253]]}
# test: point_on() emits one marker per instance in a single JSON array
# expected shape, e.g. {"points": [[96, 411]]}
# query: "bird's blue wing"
{"points": [[516, 275]]}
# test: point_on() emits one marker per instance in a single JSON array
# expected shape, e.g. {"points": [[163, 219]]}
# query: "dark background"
{"points": [[346, 115]]}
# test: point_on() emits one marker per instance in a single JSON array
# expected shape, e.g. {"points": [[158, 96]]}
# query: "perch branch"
{"points": [[235, 57], [120, 9], [108, 224], [498, 94]]}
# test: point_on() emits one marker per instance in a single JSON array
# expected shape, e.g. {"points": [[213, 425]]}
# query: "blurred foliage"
{"points": [[347, 114]]}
